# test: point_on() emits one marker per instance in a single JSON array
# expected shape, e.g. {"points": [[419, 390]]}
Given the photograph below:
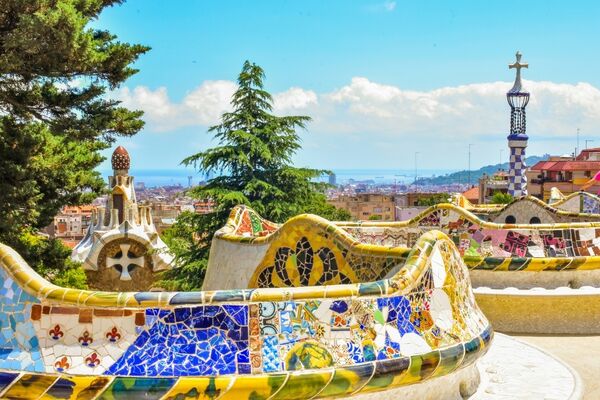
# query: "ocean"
{"points": [[172, 177]]}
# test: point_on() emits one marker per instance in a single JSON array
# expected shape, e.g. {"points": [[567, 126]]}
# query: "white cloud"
{"points": [[202, 106], [477, 111], [294, 98], [389, 5], [207, 102], [474, 110]]}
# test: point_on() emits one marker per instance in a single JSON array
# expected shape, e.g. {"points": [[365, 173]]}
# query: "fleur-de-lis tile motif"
{"points": [[113, 335], [62, 364], [56, 333], [93, 360], [85, 339]]}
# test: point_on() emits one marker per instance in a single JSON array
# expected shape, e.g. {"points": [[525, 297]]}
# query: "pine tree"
{"points": [[253, 161], [55, 117]]}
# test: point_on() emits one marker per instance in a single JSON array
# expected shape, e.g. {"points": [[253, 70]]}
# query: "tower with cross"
{"points": [[517, 98], [122, 249]]}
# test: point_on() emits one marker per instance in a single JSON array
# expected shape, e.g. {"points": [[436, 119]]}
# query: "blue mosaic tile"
{"points": [[19, 346], [270, 354], [204, 340], [6, 379], [355, 352], [398, 307], [339, 306]]}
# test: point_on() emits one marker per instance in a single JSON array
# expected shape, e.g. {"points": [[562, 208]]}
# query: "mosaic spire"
{"points": [[517, 98]]}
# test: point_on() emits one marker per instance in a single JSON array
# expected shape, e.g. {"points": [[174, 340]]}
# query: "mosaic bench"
{"points": [[575, 202], [541, 262], [577, 207], [345, 340]]}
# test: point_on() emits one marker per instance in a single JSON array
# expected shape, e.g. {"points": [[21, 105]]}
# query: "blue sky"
{"points": [[381, 79]]}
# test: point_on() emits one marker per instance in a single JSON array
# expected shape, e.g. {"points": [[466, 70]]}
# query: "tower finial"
{"points": [[518, 86], [120, 159]]}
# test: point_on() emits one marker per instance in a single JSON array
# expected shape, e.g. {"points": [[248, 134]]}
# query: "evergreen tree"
{"points": [[254, 162], [501, 198], [433, 199], [54, 114]]}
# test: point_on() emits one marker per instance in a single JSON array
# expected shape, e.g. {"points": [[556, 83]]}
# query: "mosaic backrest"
{"points": [[308, 250], [577, 207], [246, 222], [582, 202], [478, 238], [422, 322]]}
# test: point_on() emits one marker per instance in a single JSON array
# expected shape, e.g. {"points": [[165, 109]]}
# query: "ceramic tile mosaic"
{"points": [[19, 345], [578, 202], [323, 341], [84, 343], [576, 207], [204, 340], [307, 251]]}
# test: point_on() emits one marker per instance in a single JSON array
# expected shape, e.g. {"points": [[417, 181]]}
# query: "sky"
{"points": [[380, 79]]}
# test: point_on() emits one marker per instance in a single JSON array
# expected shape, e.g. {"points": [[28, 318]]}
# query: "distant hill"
{"points": [[463, 176]]}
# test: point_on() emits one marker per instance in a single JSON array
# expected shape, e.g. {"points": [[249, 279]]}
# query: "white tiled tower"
{"points": [[517, 140], [121, 249]]}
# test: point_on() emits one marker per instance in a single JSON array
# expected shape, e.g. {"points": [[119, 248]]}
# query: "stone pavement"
{"points": [[514, 370], [582, 353]]}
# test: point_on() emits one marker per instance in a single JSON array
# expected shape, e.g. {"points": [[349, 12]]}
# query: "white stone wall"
{"points": [[523, 211], [231, 264]]}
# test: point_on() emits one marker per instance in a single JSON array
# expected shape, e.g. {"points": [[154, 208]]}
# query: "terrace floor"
{"points": [[580, 352]]}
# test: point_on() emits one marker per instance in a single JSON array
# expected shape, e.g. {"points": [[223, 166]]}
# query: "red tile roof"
{"points": [[566, 166], [472, 194], [542, 165], [575, 166]]}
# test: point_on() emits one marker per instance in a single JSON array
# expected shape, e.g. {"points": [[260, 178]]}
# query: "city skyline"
{"points": [[378, 84]]}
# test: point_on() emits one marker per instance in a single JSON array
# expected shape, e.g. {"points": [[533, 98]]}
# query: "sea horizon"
{"points": [[180, 176]]}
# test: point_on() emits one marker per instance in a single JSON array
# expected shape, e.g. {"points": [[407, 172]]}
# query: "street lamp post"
{"points": [[416, 170], [470, 144]]}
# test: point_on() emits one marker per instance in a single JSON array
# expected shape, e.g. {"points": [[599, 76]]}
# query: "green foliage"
{"points": [[433, 199], [51, 259], [54, 115], [501, 198], [375, 217], [253, 157], [191, 260]]}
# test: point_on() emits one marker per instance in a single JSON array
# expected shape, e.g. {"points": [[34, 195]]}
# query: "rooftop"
{"points": [[472, 194], [566, 166]]}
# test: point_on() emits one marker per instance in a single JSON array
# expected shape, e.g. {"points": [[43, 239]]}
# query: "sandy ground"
{"points": [[582, 353]]}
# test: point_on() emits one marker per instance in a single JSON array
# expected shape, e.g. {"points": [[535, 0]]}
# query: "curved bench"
{"points": [[393, 334], [249, 251]]}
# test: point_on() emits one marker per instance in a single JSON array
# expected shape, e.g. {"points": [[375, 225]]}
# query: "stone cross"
{"points": [[518, 65], [125, 261]]}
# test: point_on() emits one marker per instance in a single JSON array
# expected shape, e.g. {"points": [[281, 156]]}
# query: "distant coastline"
{"points": [[174, 177], [426, 177]]}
